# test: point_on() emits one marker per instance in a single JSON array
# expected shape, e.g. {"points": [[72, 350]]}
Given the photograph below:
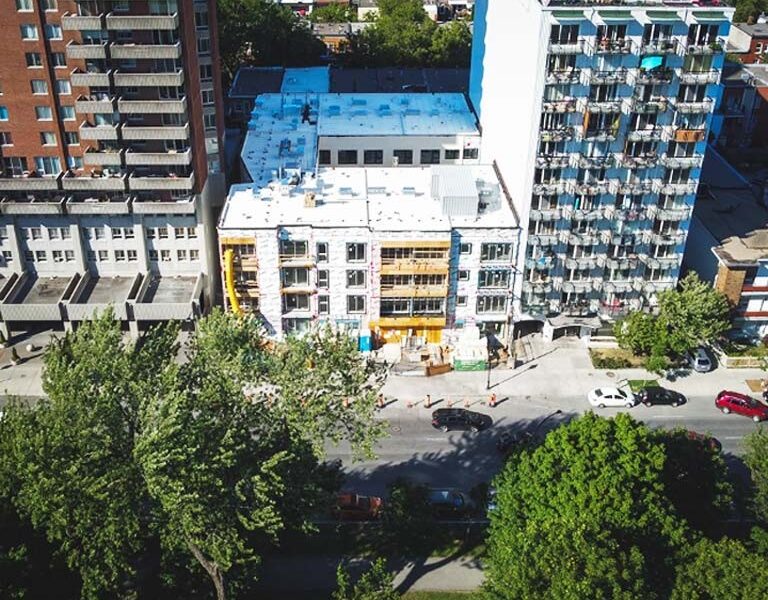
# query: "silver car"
{"points": [[700, 360]]}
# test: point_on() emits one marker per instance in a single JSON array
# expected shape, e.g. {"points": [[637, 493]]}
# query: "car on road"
{"points": [[509, 440], [354, 507], [707, 440], [447, 419], [654, 394], [611, 396], [700, 360], [449, 502], [741, 404]]}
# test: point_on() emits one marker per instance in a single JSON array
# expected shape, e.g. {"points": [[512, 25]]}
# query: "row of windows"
{"points": [[100, 233], [300, 302], [52, 32], [28, 5], [44, 165], [299, 276], [132, 255], [402, 157], [356, 251], [496, 278], [42, 113], [41, 256], [162, 233], [52, 233]]}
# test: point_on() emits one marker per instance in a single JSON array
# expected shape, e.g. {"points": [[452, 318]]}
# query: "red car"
{"points": [[741, 404], [353, 507]]}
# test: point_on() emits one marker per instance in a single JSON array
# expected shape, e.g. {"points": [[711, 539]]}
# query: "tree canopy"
{"points": [[757, 460], [748, 10], [376, 583]]}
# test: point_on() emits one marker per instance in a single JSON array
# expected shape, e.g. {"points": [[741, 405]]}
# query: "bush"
{"points": [[602, 361]]}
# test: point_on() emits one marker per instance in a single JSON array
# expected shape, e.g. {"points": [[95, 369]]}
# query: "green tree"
{"points": [[334, 13], [723, 570], [637, 332], [585, 515], [68, 462], [749, 10], [756, 458], [232, 451], [376, 583]]}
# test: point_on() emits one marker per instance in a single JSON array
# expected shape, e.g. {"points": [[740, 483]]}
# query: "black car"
{"points": [[446, 419], [652, 395], [509, 441]]}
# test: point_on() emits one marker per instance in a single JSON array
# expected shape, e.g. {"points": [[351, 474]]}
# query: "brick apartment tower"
{"points": [[112, 140]]}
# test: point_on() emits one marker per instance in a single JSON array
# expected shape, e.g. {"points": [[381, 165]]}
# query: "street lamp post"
{"points": [[488, 351]]}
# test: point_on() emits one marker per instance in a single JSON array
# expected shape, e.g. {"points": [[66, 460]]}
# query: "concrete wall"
{"points": [[390, 143]]}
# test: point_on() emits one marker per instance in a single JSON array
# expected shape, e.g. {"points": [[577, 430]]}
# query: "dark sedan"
{"points": [[447, 419], [653, 395]]}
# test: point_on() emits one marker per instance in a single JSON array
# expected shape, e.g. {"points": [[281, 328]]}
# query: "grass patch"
{"points": [[441, 596], [747, 350], [615, 358], [638, 384]]}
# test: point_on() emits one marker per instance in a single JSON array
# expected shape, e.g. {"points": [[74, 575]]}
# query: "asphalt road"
{"points": [[420, 453]]}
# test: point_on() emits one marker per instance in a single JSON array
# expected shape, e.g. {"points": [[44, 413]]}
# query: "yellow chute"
{"points": [[229, 277]]}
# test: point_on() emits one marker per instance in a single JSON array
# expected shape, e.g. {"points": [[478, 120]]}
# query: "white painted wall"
{"points": [[410, 142]]}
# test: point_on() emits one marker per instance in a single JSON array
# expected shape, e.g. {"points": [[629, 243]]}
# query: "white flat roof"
{"points": [[381, 199], [395, 114], [312, 80]]}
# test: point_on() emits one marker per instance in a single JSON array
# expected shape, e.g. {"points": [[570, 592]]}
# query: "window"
{"points": [[324, 157], [69, 255], [43, 113], [323, 305], [293, 248], [47, 138], [373, 157], [295, 302], [41, 256], [402, 157], [203, 45], [355, 252], [65, 232], [355, 304], [497, 278], [347, 157], [465, 248], [75, 162], [7, 256], [356, 279], [206, 72], [119, 255], [451, 155], [323, 279], [153, 255], [39, 86], [71, 138], [491, 304], [162, 233], [201, 18], [53, 31], [29, 256], [3, 113], [461, 300], [194, 255], [67, 113], [207, 96], [36, 233], [322, 252], [178, 232], [33, 59], [128, 232], [165, 255], [117, 233], [209, 121], [181, 255], [29, 32], [470, 153], [6, 139], [63, 87], [430, 157], [103, 255], [58, 59], [15, 165], [58, 256], [49, 4], [151, 233], [98, 233], [495, 252], [294, 277], [47, 165], [24, 5], [463, 275]]}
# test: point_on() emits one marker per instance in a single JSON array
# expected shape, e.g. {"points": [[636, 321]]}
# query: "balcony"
{"points": [[580, 286], [584, 262], [184, 183], [698, 107], [580, 239], [682, 162], [171, 106], [679, 212], [107, 183], [614, 213], [31, 205], [80, 78], [621, 262], [583, 214], [653, 105], [72, 22], [592, 188], [544, 214], [102, 157], [559, 106], [542, 262], [174, 79], [80, 51], [552, 187], [667, 239], [100, 205], [604, 106], [635, 187], [608, 77], [689, 135], [596, 162], [98, 132], [601, 134], [537, 286], [145, 51], [158, 158], [564, 76], [573, 47], [157, 132], [715, 46], [609, 46], [413, 291], [95, 104], [643, 161], [654, 76], [659, 46], [655, 134], [662, 262], [418, 266], [556, 135], [711, 76], [678, 189], [543, 239], [180, 206], [553, 161], [29, 182], [142, 22]]}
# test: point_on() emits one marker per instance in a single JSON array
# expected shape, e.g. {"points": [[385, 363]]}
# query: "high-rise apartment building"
{"points": [[111, 142], [598, 116]]}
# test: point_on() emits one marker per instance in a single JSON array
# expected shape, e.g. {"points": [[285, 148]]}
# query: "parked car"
{"points": [[653, 395], [741, 404], [354, 507], [490, 501], [449, 502], [700, 360], [508, 441], [447, 419], [711, 442], [610, 396]]}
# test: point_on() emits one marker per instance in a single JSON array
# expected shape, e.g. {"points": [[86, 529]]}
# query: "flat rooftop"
{"points": [[169, 290], [252, 81], [397, 114], [42, 290], [755, 29], [105, 290], [436, 198], [695, 4], [311, 80]]}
